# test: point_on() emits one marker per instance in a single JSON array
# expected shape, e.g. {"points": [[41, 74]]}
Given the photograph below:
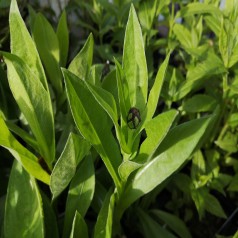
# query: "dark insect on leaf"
{"points": [[133, 118], [105, 70]]}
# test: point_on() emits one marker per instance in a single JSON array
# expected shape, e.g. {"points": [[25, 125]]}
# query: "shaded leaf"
{"points": [[103, 227], [80, 193], [200, 103], [63, 39], [48, 47], [79, 227], [173, 222], [82, 62]]}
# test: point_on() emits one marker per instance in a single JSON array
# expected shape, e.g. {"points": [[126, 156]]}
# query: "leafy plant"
{"points": [[95, 153]]}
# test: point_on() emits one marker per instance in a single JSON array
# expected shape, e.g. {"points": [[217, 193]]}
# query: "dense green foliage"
{"points": [[128, 129]]}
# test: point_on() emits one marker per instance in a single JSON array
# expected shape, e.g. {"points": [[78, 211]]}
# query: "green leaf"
{"points": [[23, 46], [35, 103], [173, 222], [28, 160], [234, 184], [103, 227], [79, 227], [198, 8], [213, 206], [23, 211], [126, 168], [156, 89], [82, 62], [23, 134], [80, 193], [183, 35], [50, 222], [151, 228], [199, 103], [214, 23], [92, 122], [210, 65], [134, 62], [228, 142], [107, 102], [64, 170], [161, 125], [123, 92], [198, 165], [48, 47], [173, 152], [63, 38], [147, 13]]}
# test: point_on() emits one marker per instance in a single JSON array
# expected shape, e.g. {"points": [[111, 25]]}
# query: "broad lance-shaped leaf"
{"points": [[173, 222], [23, 211], [79, 227], [155, 90], [23, 46], [80, 193], [63, 38], [134, 62], [28, 160], [106, 100], [48, 47], [50, 221], [103, 227], [82, 62], [92, 122], [35, 103], [173, 152], [150, 227], [159, 124], [75, 149]]}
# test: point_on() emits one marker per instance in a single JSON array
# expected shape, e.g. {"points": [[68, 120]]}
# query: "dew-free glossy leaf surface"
{"points": [[106, 100], [24, 156], [23, 211], [22, 44], [134, 62], [75, 149], [34, 102], [155, 91], [173, 152], [156, 129], [82, 62], [92, 122]]}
